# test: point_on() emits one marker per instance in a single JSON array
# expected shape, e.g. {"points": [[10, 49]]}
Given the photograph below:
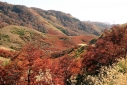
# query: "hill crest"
{"points": [[49, 22]]}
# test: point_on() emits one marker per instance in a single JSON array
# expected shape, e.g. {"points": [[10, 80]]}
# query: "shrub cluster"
{"points": [[110, 75]]}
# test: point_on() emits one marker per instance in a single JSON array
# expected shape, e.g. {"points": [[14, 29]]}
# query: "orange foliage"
{"points": [[111, 46], [6, 53], [76, 66]]}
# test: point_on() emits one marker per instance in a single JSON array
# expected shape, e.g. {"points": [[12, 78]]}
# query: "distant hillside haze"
{"points": [[47, 21], [102, 25]]}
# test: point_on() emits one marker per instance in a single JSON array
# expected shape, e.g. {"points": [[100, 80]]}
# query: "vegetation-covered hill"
{"points": [[15, 37], [103, 63], [51, 22], [54, 25], [101, 25], [39, 47]]}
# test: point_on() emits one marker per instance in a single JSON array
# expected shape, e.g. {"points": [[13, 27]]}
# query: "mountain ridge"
{"points": [[50, 21]]}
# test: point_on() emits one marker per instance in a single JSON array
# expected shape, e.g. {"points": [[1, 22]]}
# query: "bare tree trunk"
{"points": [[29, 70], [1, 81], [125, 58]]}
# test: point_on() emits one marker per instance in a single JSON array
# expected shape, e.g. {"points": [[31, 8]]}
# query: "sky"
{"points": [[112, 11]]}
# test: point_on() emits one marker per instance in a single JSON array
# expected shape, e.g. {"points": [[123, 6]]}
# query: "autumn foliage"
{"points": [[111, 46], [31, 66]]}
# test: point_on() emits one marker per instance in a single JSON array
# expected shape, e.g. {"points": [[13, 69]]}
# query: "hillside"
{"points": [[49, 22], [53, 60], [103, 25], [48, 47], [61, 31], [15, 37], [100, 25]]}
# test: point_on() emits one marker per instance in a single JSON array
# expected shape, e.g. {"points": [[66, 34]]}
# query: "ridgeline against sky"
{"points": [[112, 11]]}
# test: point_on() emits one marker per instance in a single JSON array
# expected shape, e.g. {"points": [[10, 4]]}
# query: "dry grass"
{"points": [[14, 39], [5, 48], [4, 61], [112, 75]]}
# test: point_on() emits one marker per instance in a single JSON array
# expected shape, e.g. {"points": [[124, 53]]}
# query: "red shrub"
{"points": [[111, 46]]}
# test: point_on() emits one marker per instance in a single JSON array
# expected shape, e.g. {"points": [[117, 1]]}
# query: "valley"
{"points": [[48, 47]]}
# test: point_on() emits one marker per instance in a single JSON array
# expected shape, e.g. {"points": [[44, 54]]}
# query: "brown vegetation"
{"points": [[49, 22]]}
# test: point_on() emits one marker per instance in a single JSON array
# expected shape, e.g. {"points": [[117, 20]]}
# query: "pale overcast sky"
{"points": [[113, 11]]}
